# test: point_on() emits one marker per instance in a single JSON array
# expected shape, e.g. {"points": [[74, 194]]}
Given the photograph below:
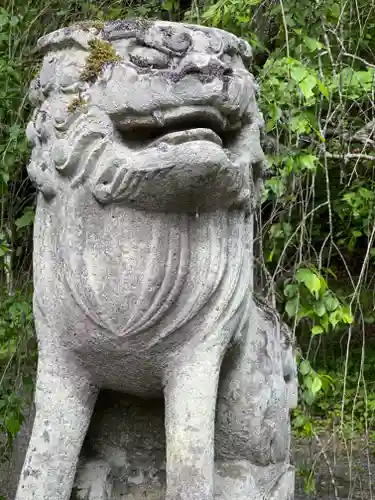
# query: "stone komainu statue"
{"points": [[145, 147]]}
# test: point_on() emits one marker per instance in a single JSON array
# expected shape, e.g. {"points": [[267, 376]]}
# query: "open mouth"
{"points": [[175, 126], [187, 135]]}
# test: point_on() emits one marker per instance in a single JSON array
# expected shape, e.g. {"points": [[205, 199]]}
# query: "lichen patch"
{"points": [[76, 103], [101, 54]]}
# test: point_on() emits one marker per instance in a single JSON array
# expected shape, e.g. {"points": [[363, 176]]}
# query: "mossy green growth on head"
{"points": [[101, 53], [76, 103]]}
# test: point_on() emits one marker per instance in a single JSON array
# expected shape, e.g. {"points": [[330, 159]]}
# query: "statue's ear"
{"points": [[72, 37], [42, 175]]}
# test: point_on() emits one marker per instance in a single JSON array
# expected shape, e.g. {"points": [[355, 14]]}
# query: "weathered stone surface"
{"points": [[124, 453], [146, 154]]}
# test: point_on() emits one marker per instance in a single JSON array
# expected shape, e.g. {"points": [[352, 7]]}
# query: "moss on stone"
{"points": [[99, 25], [101, 53], [76, 103]]}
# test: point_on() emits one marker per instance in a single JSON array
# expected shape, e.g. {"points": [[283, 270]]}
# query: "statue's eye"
{"points": [[145, 57], [226, 58], [233, 60]]}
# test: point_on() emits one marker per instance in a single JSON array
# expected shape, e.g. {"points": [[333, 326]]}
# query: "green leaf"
{"points": [[317, 330], [335, 10], [298, 73], [14, 132], [289, 164], [210, 12], [347, 316], [316, 385], [308, 381], [312, 44], [300, 125], [335, 317], [26, 219], [319, 308], [270, 255], [308, 396], [331, 302], [276, 185], [308, 429], [290, 290], [365, 77], [12, 424], [303, 312], [299, 421], [14, 20], [168, 5], [275, 112], [307, 86], [367, 194], [5, 176], [324, 322], [305, 368], [308, 161], [323, 89], [291, 307], [369, 319], [310, 280]]}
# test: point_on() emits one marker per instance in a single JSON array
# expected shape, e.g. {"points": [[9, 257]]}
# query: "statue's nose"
{"points": [[203, 64]]}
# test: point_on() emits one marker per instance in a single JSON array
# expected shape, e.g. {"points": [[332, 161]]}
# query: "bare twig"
{"points": [[360, 59], [322, 451], [350, 156]]}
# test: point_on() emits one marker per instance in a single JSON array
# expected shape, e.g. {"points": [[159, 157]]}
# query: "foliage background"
{"points": [[316, 227]]}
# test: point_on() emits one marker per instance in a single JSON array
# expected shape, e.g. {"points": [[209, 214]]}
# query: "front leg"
{"points": [[190, 400], [64, 401]]}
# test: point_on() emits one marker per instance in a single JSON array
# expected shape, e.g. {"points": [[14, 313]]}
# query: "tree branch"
{"points": [[350, 156]]}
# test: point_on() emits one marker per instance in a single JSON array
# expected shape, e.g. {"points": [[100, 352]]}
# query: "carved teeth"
{"points": [[194, 134]]}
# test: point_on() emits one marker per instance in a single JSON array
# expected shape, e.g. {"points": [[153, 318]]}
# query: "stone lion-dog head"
{"points": [[157, 115]]}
